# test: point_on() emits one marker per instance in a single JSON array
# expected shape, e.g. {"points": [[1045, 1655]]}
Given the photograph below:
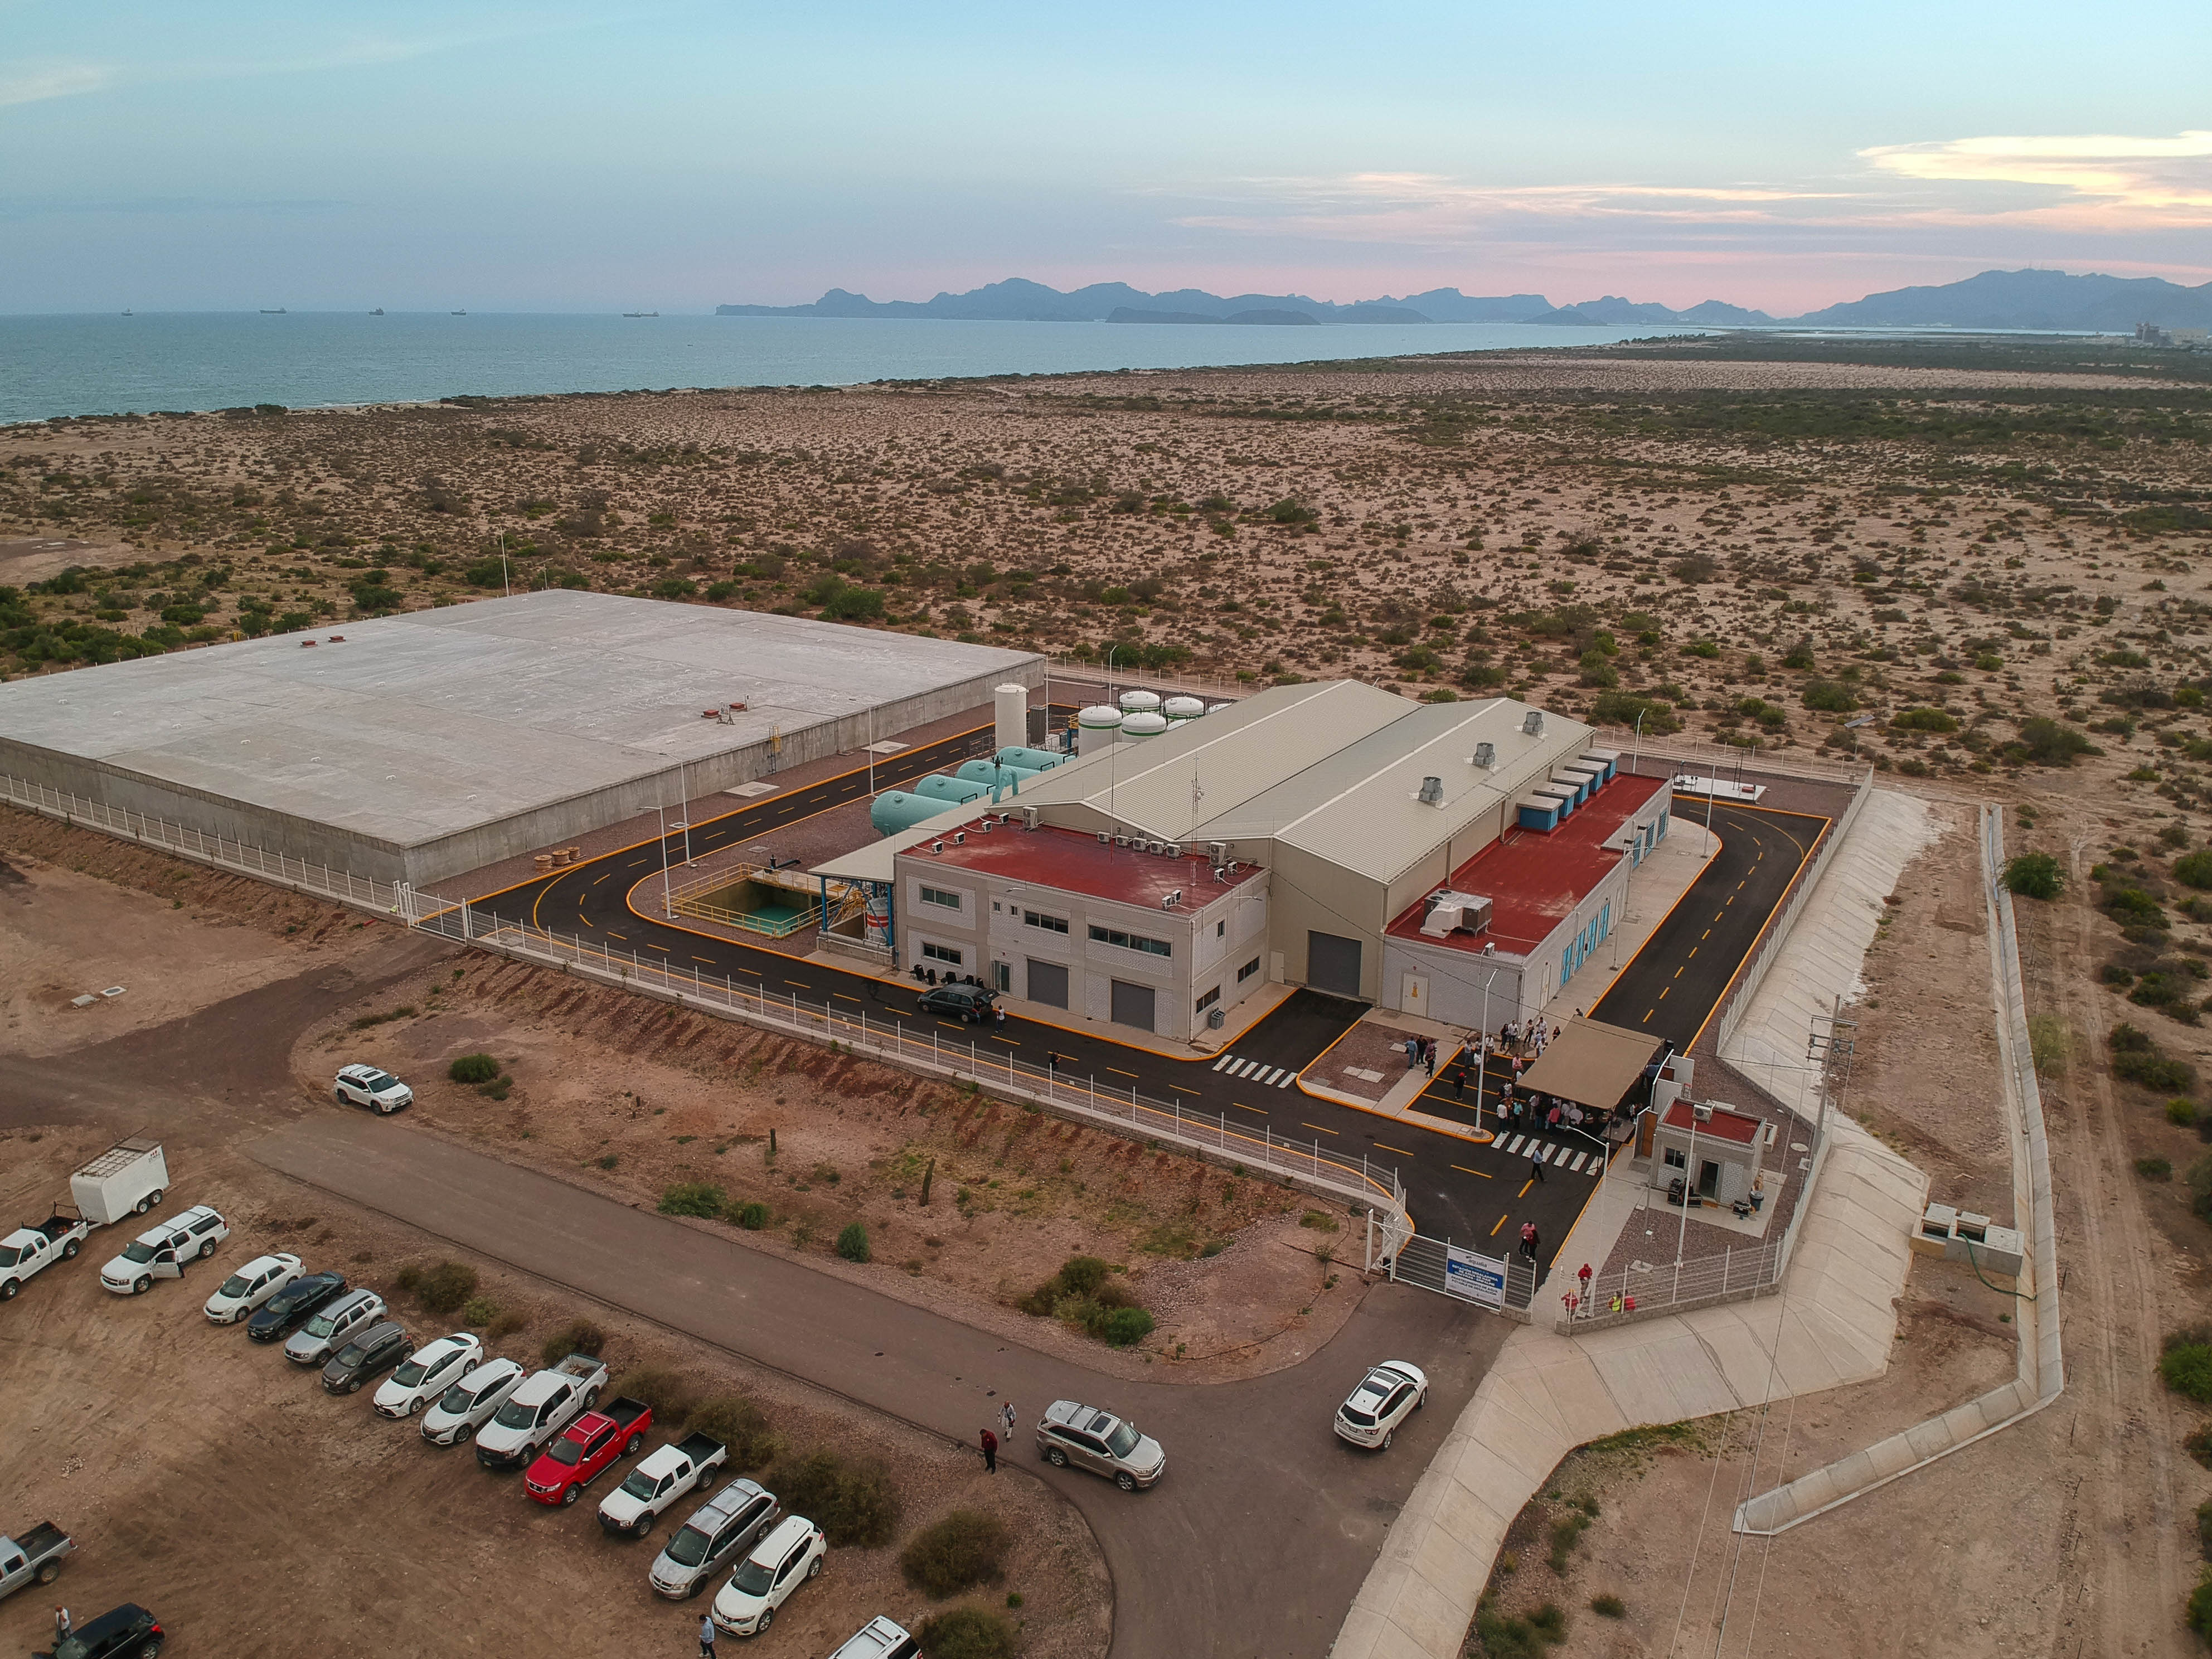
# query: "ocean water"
{"points": [[100, 365]]}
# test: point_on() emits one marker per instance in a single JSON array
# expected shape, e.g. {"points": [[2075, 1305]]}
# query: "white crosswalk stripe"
{"points": [[1256, 1071], [1513, 1147], [1273, 1077], [1289, 1078], [1222, 1061], [1580, 1159]]}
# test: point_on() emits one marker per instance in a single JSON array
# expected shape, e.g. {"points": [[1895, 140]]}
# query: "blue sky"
{"points": [[578, 156]]}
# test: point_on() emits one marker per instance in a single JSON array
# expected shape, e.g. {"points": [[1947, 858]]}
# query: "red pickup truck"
{"points": [[586, 1446]]}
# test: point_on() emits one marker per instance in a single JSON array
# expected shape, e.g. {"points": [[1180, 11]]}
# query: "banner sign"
{"points": [[1478, 1278]]}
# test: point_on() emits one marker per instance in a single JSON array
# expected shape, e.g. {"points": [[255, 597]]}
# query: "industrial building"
{"points": [[1462, 860], [413, 747]]}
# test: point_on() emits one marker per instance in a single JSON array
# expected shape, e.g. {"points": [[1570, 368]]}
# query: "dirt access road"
{"points": [[1255, 1544]]}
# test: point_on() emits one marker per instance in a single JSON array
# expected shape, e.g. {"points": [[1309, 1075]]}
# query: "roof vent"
{"points": [[1485, 756], [1432, 792], [1532, 723]]}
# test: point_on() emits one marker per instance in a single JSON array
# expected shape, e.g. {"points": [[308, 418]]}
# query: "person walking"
{"points": [[1528, 1240], [1583, 1274], [1011, 1417], [63, 1622], [990, 1452], [1429, 1055], [1536, 1168], [999, 1016], [1551, 1118], [1459, 1082], [706, 1636]]}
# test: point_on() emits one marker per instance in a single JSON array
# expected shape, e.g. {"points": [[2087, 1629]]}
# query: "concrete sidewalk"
{"points": [[1831, 1324]]}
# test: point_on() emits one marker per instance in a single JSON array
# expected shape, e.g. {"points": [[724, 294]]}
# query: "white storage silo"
{"points": [[1096, 727], [1179, 709], [1141, 702], [1010, 705], [1135, 728]]}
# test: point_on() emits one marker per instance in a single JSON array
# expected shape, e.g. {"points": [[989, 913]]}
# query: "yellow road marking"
{"points": [[1118, 1072], [1180, 1090], [624, 937], [1401, 1151], [1525, 1186], [1316, 1126], [1501, 1222], [1662, 994], [710, 961], [800, 983], [1485, 1174], [650, 945], [1241, 1107]]}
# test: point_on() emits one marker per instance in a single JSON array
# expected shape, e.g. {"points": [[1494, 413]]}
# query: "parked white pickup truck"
{"points": [[544, 1405], [36, 1557], [664, 1476], [127, 1179]]}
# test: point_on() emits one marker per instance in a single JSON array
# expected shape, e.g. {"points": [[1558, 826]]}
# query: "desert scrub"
{"points": [[669, 1393], [697, 1198], [476, 1069], [2186, 1364], [852, 1501], [572, 1336], [853, 1242], [1085, 1294], [966, 1547], [440, 1288], [737, 1423], [969, 1633]]}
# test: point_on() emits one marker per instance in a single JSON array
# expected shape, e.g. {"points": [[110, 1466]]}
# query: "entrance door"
{"points": [[1132, 1004], [1413, 998], [1333, 964], [1709, 1178], [1049, 983]]}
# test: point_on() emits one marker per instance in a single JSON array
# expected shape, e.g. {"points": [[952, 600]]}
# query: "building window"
{"points": [[1209, 1000], [1677, 1158], [1221, 928], [1157, 947], [1050, 924], [1247, 971], [939, 895], [944, 953]]}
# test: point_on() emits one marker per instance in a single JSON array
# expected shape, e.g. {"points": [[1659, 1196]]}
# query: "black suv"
{"points": [[293, 1306], [128, 1630], [965, 1003], [377, 1349]]}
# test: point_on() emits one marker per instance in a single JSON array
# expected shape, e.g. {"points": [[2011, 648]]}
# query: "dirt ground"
{"points": [[215, 1483], [633, 1097]]}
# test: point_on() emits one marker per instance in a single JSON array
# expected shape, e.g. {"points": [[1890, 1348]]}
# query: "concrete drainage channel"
{"points": [[2042, 1370]]}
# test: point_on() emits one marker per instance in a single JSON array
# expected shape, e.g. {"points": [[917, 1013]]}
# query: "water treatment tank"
{"points": [[895, 810], [1179, 709], [1010, 708], [1138, 726], [994, 777], [954, 792], [1141, 702], [1030, 760], [1096, 727]]}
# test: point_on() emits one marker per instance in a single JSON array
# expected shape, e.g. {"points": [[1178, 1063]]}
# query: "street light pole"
{"points": [[1482, 1047], [683, 789], [667, 903], [506, 587]]}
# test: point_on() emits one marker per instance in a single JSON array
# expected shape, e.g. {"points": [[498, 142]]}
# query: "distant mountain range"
{"points": [[1994, 300]]}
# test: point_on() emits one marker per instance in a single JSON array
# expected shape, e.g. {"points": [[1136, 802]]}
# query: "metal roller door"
{"points": [[1049, 983], [1333, 964], [1132, 1004]]}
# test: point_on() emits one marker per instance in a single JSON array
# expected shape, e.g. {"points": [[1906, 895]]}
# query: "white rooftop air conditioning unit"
{"points": [[1121, 840], [1432, 792], [1174, 849], [1489, 947], [959, 837], [1220, 873], [937, 846], [1167, 903], [1486, 756], [1029, 818], [984, 828], [1176, 896], [1701, 1113], [1532, 723], [1217, 851], [1103, 838]]}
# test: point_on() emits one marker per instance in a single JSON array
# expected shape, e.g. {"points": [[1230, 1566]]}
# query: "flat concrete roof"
{"points": [[1070, 861], [417, 726]]}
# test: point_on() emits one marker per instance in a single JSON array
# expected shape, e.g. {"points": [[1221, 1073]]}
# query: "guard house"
{"points": [[1715, 1151]]}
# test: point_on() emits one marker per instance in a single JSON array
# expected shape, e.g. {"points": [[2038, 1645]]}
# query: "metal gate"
{"points": [[1459, 1271]]}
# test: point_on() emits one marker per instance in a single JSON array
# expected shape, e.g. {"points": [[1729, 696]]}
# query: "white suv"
{"points": [[1386, 1397], [251, 1286], [161, 1252], [364, 1086], [779, 1565]]}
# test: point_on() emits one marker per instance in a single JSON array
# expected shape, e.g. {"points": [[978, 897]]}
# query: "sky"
{"points": [[567, 156]]}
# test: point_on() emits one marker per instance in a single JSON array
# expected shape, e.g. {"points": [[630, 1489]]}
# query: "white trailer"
{"points": [[127, 1179]]}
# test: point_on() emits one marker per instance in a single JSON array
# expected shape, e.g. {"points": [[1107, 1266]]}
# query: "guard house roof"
{"points": [[1534, 880], [1334, 769], [1726, 1123], [1075, 862], [1593, 1064]]}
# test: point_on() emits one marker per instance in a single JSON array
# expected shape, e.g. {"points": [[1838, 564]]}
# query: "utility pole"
{"points": [[506, 587], [667, 904]]}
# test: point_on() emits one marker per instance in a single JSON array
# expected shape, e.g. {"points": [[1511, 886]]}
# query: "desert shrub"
{"points": [[1529, 1638], [968, 1547], [473, 1068], [572, 1336], [751, 1217], [1922, 720], [853, 1242], [669, 1393], [698, 1198], [2198, 1179], [1118, 1328], [2049, 744], [853, 1504], [2194, 869], [445, 1287], [480, 1312], [1831, 696], [1566, 1533], [505, 1323], [737, 1423], [1608, 1606], [2035, 875], [969, 1633], [1622, 708], [2183, 1112], [2049, 1043], [2186, 1364], [2197, 1442], [2155, 1168], [2199, 1607]]}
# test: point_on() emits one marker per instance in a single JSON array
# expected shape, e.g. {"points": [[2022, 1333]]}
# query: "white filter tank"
{"points": [[1138, 726], [1010, 704], [1141, 702], [1179, 709], [1096, 727]]}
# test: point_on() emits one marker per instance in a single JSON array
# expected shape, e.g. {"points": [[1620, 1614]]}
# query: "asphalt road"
{"points": [[1679, 977], [1252, 1545]]}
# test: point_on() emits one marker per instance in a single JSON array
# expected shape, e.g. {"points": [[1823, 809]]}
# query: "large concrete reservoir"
{"points": [[417, 746]]}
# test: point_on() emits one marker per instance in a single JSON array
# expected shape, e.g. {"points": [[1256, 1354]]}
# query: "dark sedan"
{"points": [[293, 1306], [375, 1351], [127, 1631]]}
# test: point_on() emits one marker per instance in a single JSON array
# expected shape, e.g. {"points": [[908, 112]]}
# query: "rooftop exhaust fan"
{"points": [[1532, 723], [1432, 792], [1485, 756]]}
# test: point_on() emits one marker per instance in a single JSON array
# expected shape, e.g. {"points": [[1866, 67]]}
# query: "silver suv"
{"points": [[1100, 1442], [313, 1343]]}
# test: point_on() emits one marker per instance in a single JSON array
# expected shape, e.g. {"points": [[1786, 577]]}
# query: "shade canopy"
{"points": [[1593, 1064]]}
